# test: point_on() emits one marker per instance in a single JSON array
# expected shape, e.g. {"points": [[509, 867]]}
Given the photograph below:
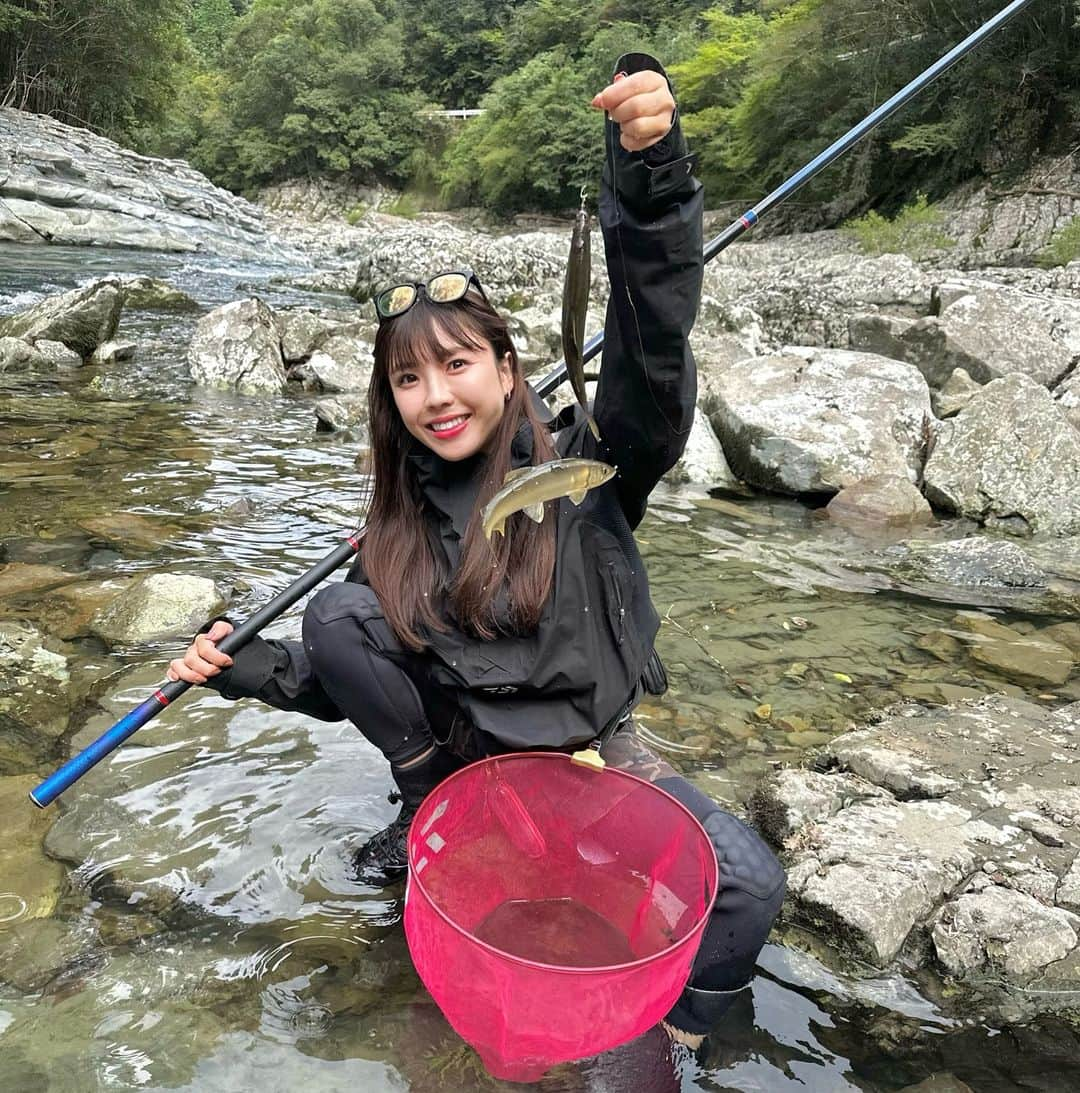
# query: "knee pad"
{"points": [[343, 600], [745, 860]]}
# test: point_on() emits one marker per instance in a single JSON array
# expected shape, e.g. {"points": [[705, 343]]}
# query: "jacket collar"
{"points": [[452, 487]]}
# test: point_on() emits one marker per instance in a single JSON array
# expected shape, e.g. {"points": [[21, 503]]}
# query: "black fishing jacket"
{"points": [[578, 671]]}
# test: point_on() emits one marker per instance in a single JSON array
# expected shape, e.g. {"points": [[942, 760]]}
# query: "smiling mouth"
{"points": [[450, 427]]}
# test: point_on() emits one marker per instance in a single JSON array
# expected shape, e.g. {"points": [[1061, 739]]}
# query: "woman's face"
{"points": [[453, 402]]}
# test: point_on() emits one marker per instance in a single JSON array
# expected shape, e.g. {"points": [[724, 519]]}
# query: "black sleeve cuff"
{"points": [[663, 172], [252, 667]]}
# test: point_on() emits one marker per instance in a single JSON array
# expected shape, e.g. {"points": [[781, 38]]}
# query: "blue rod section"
{"points": [[77, 766]]}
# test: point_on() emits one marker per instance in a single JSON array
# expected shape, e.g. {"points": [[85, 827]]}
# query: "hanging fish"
{"points": [[575, 304], [527, 489]]}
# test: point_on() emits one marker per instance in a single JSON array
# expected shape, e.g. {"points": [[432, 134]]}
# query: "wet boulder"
{"points": [[1009, 459], [37, 696], [303, 331], [979, 570], [158, 605], [141, 293], [237, 347], [341, 361], [333, 415], [82, 319], [814, 421], [887, 500]]}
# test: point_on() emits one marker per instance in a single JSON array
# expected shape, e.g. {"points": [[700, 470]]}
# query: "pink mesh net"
{"points": [[554, 911]]}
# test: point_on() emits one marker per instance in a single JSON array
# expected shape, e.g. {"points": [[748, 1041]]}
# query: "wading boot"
{"points": [[383, 859]]}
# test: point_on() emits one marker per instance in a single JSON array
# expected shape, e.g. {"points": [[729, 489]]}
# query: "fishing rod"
{"points": [[78, 765]]}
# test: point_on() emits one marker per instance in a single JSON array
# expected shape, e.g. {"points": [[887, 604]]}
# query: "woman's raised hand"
{"points": [[203, 658], [642, 106]]}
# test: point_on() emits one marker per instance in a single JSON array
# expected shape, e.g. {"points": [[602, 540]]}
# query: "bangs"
{"points": [[427, 332]]}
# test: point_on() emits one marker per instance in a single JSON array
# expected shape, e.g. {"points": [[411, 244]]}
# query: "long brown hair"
{"points": [[405, 571]]}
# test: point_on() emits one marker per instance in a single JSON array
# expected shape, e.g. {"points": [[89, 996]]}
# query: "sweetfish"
{"points": [[527, 489], [575, 304]]}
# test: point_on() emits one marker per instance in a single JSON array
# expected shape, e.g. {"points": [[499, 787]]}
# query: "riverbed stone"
{"points": [[36, 697], [887, 500], [985, 872], [1011, 453], [1025, 659], [112, 351], [159, 605], [30, 884], [18, 578], [814, 421], [19, 355], [57, 354], [958, 390], [237, 347], [82, 319], [141, 293], [979, 570], [340, 413], [341, 362], [1003, 929]]}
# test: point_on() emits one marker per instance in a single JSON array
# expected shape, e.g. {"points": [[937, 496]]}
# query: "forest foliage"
{"points": [[255, 91]]}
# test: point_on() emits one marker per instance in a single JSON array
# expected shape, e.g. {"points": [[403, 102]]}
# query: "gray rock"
{"points": [[979, 570], [17, 355], [110, 352], [159, 605], [341, 362], [957, 391], [237, 347], [338, 414], [66, 185], [987, 330], [153, 294], [703, 462], [977, 869], [303, 331], [82, 319], [1004, 930], [1010, 453], [58, 355], [884, 501], [815, 421]]}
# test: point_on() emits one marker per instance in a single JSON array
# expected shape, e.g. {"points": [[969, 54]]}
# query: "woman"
{"points": [[443, 647]]}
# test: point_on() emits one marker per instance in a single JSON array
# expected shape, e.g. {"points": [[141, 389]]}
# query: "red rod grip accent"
{"points": [[161, 698]]}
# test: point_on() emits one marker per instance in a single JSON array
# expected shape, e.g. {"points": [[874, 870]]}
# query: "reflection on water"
{"points": [[207, 935]]}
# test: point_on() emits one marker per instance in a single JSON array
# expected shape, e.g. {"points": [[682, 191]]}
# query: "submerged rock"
{"points": [[30, 884], [882, 501], [36, 698]]}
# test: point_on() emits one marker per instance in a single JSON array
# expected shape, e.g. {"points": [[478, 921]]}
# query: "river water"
{"points": [[205, 934]]}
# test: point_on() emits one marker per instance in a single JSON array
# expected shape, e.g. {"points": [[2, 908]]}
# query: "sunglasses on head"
{"points": [[443, 288]]}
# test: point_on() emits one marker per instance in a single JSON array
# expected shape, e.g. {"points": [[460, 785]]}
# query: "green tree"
{"points": [[106, 64], [310, 87]]}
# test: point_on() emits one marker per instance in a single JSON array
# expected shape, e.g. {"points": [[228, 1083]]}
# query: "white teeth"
{"points": [[442, 426]]}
